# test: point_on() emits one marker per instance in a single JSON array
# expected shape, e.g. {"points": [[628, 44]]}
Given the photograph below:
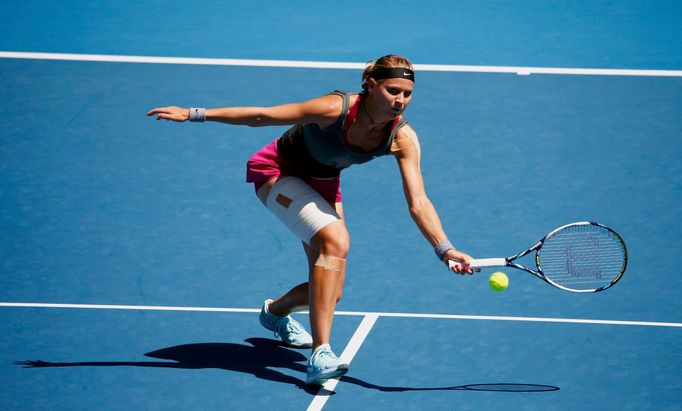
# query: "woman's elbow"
{"points": [[418, 206]]}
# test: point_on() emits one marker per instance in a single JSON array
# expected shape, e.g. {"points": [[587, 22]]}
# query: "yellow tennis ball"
{"points": [[499, 281]]}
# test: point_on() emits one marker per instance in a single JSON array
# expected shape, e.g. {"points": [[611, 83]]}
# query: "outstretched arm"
{"points": [[322, 111], [407, 152]]}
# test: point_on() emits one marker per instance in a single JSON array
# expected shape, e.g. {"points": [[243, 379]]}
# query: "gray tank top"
{"points": [[327, 147]]}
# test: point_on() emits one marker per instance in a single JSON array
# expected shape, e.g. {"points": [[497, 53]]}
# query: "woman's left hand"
{"points": [[172, 113]]}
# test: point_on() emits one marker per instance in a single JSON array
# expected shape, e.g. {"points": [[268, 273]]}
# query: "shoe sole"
{"points": [[298, 346], [322, 378]]}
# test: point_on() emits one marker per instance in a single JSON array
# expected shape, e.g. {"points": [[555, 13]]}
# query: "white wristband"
{"points": [[197, 114]]}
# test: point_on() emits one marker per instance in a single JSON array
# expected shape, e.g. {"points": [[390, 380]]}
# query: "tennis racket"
{"points": [[583, 257]]}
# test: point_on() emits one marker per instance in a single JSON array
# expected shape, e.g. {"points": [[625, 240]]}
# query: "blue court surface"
{"points": [[134, 258]]}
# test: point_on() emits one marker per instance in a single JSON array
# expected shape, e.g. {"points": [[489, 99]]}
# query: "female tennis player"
{"points": [[297, 177]]}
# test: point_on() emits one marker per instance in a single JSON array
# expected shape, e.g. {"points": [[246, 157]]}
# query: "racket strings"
{"points": [[582, 257]]}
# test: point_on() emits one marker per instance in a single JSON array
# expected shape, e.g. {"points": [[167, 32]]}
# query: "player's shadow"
{"points": [[259, 359]]}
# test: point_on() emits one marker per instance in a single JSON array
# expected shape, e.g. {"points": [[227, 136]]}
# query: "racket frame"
{"points": [[537, 247]]}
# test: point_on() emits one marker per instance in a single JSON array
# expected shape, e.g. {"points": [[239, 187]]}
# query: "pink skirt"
{"points": [[267, 164]]}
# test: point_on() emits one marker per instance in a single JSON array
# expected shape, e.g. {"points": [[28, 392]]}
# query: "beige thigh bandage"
{"points": [[330, 263], [302, 209]]}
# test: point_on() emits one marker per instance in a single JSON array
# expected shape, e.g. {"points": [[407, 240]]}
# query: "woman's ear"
{"points": [[371, 83]]}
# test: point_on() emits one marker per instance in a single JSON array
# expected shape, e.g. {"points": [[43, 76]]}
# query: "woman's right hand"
{"points": [[459, 262], [172, 113]]}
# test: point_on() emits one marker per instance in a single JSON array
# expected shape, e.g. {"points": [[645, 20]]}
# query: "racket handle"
{"points": [[488, 262], [483, 262]]}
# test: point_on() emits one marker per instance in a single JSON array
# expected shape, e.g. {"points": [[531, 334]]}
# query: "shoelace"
{"points": [[290, 326], [322, 356], [325, 353]]}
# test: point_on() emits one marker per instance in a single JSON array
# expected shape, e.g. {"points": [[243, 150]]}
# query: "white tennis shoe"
{"points": [[323, 365], [286, 328]]}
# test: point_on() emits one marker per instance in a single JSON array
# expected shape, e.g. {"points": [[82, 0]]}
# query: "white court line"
{"points": [[521, 319], [347, 356], [333, 65], [351, 313], [131, 307]]}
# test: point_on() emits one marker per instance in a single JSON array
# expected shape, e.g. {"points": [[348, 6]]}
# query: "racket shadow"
{"points": [[487, 387]]}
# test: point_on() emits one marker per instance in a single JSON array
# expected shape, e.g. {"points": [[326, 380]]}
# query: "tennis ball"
{"points": [[499, 281]]}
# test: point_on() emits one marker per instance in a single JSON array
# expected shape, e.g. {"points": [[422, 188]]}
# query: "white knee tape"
{"points": [[302, 209]]}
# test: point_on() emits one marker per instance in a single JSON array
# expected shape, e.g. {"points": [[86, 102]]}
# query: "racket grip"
{"points": [[483, 262], [488, 262]]}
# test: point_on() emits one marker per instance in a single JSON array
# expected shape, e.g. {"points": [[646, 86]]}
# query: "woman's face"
{"points": [[392, 95]]}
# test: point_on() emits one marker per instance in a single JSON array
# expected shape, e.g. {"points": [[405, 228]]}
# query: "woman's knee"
{"points": [[332, 240]]}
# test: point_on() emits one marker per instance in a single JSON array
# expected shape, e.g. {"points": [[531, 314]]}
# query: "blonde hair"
{"points": [[385, 62]]}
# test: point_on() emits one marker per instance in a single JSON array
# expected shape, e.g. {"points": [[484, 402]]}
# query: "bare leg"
{"points": [[323, 291], [326, 285], [294, 300]]}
